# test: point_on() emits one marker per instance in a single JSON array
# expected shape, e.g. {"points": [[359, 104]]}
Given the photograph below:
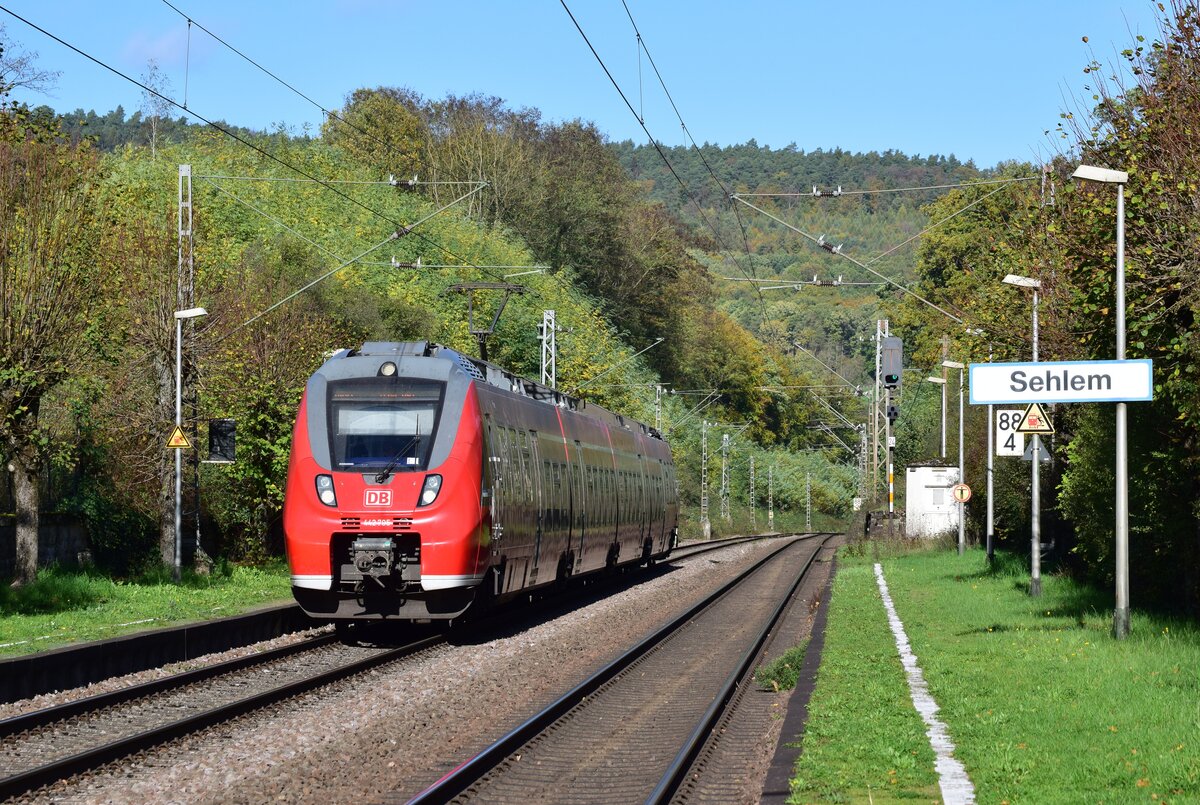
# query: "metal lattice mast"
{"points": [[753, 500], [770, 498], [862, 462], [881, 330], [549, 350], [704, 524], [725, 515], [658, 389], [808, 501], [186, 298]]}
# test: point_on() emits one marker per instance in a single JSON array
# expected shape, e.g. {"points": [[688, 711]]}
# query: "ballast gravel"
{"points": [[388, 734]]}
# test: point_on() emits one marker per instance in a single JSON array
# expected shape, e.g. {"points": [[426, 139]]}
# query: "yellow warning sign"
{"points": [[178, 441], [1034, 420]]}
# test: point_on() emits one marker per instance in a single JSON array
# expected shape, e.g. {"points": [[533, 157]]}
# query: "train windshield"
{"points": [[383, 422]]}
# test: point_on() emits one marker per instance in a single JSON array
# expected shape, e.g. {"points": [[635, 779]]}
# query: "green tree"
{"points": [[51, 265], [382, 129]]}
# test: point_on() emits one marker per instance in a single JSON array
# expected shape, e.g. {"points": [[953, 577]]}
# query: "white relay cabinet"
{"points": [[930, 509]]}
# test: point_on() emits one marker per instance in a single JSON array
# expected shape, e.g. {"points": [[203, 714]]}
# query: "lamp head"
{"points": [[190, 313], [953, 365], [1022, 282], [1105, 175]]}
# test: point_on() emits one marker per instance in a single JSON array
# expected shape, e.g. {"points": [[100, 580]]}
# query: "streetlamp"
{"points": [[962, 540], [941, 381], [180, 315], [1120, 628], [1035, 560]]}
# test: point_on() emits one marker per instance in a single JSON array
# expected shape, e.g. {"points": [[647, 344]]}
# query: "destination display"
{"points": [[1062, 382]]}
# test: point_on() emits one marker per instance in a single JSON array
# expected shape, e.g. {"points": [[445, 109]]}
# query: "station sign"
{"points": [[1062, 382]]}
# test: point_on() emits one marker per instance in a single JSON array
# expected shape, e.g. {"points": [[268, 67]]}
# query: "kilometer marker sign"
{"points": [[1061, 382]]}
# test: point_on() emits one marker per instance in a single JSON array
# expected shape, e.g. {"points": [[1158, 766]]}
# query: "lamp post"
{"points": [[962, 539], [1035, 560], [180, 315], [941, 381], [1120, 628]]}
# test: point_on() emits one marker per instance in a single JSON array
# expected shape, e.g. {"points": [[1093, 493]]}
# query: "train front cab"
{"points": [[383, 515]]}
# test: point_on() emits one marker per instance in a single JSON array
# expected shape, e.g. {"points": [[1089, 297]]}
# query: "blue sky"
{"points": [[977, 78]]}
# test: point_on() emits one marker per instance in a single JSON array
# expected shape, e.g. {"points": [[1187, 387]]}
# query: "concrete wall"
{"points": [[62, 539]]}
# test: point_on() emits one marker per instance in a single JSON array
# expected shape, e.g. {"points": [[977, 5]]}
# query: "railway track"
{"points": [[45, 746], [636, 731]]}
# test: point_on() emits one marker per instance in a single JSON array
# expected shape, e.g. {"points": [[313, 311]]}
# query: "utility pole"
{"points": [[725, 478], [771, 499], [705, 525], [808, 501], [991, 557], [753, 500], [550, 350], [891, 446]]}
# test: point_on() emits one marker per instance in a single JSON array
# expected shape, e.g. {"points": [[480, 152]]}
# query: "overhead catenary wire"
{"points": [[858, 263], [657, 147], [401, 227], [345, 263], [683, 126], [391, 182], [840, 192], [327, 112]]}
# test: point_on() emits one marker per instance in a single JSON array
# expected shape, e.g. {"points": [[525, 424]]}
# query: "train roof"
{"points": [[498, 377]]}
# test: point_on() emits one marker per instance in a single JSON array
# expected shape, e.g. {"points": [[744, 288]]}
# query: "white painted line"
{"points": [[952, 777]]}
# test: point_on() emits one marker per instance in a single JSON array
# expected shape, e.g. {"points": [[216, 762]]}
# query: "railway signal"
{"points": [[892, 354]]}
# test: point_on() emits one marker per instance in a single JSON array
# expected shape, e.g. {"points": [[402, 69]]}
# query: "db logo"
{"points": [[377, 497]]}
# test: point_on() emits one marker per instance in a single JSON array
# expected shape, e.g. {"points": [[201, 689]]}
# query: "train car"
{"points": [[422, 481]]}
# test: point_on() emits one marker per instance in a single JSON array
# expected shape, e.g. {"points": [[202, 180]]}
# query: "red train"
{"points": [[422, 480]]}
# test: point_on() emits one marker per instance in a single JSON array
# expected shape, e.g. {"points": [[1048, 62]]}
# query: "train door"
{"points": [[535, 463], [492, 481], [579, 501], [640, 481]]}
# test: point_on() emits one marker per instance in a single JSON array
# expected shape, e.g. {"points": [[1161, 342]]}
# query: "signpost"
{"points": [[1062, 382], [1030, 384]]}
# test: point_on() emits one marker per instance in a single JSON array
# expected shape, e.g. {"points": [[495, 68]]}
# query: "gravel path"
{"points": [[390, 733]]}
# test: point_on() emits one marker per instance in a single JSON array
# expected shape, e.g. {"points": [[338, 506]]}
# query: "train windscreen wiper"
{"points": [[390, 467]]}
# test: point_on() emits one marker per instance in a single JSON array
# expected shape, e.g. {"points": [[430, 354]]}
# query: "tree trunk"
{"points": [[26, 498], [164, 375]]}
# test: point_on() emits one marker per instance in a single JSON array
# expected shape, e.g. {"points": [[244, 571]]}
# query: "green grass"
{"points": [[64, 607], [864, 741], [1043, 705], [783, 672]]}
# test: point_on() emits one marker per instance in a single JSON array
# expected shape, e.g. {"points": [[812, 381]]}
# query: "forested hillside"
{"points": [[627, 254], [378, 255]]}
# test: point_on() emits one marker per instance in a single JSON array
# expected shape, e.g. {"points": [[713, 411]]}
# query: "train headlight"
{"points": [[325, 490], [388, 369], [429, 492]]}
